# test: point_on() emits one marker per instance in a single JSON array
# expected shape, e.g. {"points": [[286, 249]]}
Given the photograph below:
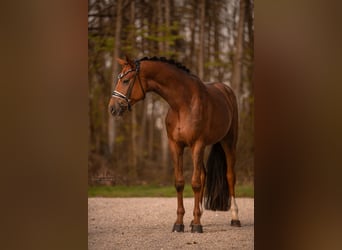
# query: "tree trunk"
{"points": [[201, 40], [192, 25], [143, 134], [133, 174], [249, 21], [160, 27], [134, 127], [167, 24], [150, 100], [237, 61], [111, 124]]}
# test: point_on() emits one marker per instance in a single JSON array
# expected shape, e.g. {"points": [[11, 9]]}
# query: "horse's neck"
{"points": [[177, 88]]}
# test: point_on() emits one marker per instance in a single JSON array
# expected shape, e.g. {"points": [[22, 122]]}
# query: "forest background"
{"points": [[214, 39]]}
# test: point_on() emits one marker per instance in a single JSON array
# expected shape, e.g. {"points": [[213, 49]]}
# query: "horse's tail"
{"points": [[217, 191]]}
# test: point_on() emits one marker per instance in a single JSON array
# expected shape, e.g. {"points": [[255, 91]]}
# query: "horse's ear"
{"points": [[129, 61], [121, 61]]}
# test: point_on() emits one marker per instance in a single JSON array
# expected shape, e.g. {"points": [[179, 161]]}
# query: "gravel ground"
{"points": [[146, 223]]}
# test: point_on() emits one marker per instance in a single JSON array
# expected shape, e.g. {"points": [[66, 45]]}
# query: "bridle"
{"points": [[130, 86]]}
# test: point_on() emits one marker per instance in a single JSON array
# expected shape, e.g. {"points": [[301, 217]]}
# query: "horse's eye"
{"points": [[126, 81]]}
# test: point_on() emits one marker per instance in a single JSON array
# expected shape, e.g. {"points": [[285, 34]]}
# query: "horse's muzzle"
{"points": [[117, 109]]}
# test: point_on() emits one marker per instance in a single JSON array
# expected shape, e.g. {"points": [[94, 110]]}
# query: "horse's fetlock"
{"points": [[197, 213], [181, 211]]}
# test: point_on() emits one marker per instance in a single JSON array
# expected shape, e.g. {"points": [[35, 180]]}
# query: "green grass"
{"points": [[244, 191], [155, 191]]}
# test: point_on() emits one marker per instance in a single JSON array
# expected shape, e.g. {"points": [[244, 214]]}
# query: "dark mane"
{"points": [[163, 59]]}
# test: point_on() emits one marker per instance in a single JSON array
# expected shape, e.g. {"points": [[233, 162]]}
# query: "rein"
{"points": [[130, 87]]}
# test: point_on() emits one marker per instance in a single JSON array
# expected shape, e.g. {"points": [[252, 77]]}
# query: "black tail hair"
{"points": [[217, 191]]}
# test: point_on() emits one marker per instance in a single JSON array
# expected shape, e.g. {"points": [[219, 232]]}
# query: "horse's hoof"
{"points": [[196, 228], [235, 223], [178, 228]]}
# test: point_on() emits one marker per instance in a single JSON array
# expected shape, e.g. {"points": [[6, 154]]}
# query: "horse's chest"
{"points": [[182, 130]]}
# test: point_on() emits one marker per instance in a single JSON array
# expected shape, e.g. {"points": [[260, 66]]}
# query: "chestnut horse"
{"points": [[199, 115]]}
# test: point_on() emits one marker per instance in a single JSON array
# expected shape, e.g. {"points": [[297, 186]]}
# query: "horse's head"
{"points": [[128, 89]]}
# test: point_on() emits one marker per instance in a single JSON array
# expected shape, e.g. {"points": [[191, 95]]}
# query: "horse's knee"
{"points": [[196, 186], [179, 185]]}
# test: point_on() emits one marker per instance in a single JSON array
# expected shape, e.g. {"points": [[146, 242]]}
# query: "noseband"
{"points": [[130, 87]]}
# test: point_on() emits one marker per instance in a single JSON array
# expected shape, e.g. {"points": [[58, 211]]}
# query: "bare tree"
{"points": [[117, 39], [237, 63], [201, 40]]}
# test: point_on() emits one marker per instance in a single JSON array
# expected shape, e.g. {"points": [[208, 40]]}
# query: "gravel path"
{"points": [[146, 223]]}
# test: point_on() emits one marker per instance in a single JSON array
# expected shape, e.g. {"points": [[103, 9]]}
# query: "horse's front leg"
{"points": [[197, 183], [177, 156]]}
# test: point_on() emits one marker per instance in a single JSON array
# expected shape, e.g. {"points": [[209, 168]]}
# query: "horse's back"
{"points": [[218, 90]]}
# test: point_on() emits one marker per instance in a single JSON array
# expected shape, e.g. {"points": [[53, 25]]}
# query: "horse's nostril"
{"points": [[112, 110]]}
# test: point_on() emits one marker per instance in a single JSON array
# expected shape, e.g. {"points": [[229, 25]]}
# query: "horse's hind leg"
{"points": [[203, 178], [177, 156], [229, 149]]}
